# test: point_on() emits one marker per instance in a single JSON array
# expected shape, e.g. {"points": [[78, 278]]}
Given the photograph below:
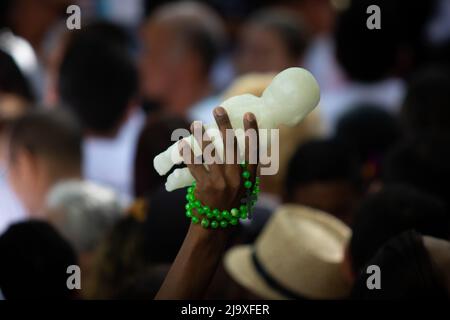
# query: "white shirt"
{"points": [[110, 161], [387, 94], [11, 209]]}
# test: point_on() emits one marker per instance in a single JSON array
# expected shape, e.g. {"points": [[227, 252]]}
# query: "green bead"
{"points": [[247, 184], [188, 213], [209, 215], [205, 223], [257, 180], [234, 221], [246, 174], [214, 224], [234, 212], [216, 212], [226, 214], [190, 190], [188, 206], [243, 212], [244, 164], [200, 211], [190, 197], [223, 224], [243, 208], [197, 204], [194, 220]]}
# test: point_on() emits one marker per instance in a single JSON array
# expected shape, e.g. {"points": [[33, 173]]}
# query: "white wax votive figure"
{"points": [[289, 98]]}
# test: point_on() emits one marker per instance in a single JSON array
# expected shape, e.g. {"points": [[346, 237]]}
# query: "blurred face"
{"points": [[262, 50], [160, 61], [335, 197]]}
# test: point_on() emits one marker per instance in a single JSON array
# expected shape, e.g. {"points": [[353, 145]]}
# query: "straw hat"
{"points": [[299, 254]]}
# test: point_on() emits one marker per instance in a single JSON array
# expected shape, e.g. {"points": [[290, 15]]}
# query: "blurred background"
{"points": [[138, 69]]}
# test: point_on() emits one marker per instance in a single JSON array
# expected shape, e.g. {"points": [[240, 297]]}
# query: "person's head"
{"points": [[181, 41], [83, 212], [98, 79], [16, 97], [426, 105], [12, 79], [270, 41], [412, 267], [389, 212], [154, 138], [34, 262], [400, 36], [423, 162], [298, 255], [44, 148], [319, 15], [358, 47], [31, 20], [324, 174], [121, 258], [371, 131]]}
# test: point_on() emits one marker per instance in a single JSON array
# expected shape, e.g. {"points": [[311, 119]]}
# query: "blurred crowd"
{"points": [[363, 180]]}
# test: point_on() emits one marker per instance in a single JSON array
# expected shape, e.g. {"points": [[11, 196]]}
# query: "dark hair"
{"points": [[358, 48], [103, 31], [286, 25], [407, 272], [98, 78], [54, 134], [370, 55], [12, 79], [426, 108], [423, 162], [389, 212], [34, 262], [371, 131], [165, 228], [322, 160], [119, 258], [155, 137]]}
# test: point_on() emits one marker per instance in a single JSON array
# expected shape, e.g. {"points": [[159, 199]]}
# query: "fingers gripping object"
{"points": [[291, 95]]}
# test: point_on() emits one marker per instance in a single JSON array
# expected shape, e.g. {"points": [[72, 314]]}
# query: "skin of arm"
{"points": [[219, 187]]}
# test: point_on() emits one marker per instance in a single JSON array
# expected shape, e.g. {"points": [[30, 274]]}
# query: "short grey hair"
{"points": [[83, 212]]}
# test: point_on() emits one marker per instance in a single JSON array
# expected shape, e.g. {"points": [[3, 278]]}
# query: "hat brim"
{"points": [[238, 263]]}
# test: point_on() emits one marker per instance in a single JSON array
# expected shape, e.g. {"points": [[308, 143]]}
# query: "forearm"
{"points": [[195, 264]]}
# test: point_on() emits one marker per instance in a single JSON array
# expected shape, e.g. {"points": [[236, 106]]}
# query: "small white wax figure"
{"points": [[291, 95]]}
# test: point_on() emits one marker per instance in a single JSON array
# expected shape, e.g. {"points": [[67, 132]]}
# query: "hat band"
{"points": [[272, 282]]}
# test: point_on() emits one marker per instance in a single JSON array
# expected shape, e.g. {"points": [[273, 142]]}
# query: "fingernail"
{"points": [[219, 111], [250, 117], [180, 146], [195, 125]]}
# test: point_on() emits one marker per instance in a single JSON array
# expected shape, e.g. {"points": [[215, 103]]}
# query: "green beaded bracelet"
{"points": [[214, 218]]}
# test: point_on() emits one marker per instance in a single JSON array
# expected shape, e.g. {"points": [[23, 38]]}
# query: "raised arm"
{"points": [[221, 187]]}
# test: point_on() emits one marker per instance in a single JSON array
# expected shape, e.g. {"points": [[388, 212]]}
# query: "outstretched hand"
{"points": [[221, 185]]}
